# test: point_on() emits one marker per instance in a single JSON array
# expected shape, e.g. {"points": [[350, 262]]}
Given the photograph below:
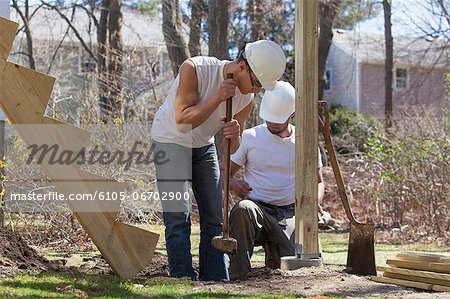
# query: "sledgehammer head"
{"points": [[227, 245]]}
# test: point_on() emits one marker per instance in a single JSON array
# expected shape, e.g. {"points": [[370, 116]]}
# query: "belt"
{"points": [[279, 215], [286, 207]]}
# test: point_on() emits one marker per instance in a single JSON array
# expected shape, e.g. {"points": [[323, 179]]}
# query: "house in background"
{"points": [[147, 70], [355, 72], [140, 32]]}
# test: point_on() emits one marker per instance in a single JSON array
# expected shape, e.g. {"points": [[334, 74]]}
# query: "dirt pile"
{"points": [[322, 281], [17, 257]]}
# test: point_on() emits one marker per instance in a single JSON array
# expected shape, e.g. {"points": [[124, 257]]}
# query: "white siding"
{"points": [[343, 82]]}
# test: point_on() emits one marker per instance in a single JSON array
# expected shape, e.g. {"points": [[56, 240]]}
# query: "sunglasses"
{"points": [[255, 82]]}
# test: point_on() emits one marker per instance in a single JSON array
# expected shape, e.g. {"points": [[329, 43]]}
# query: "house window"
{"points": [[88, 67], [86, 64], [401, 78], [327, 86]]}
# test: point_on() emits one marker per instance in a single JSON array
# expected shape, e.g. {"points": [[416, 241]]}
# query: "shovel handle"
{"points": [[325, 126], [226, 184]]}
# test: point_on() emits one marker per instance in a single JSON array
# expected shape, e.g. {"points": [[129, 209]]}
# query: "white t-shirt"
{"points": [[269, 162], [210, 75]]}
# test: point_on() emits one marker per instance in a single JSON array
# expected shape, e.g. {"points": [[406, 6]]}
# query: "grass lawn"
{"points": [[57, 285], [54, 285]]}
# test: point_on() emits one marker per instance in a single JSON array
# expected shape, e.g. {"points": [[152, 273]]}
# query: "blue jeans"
{"points": [[200, 167]]}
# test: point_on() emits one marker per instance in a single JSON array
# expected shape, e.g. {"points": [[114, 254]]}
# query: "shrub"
{"points": [[350, 129], [412, 168]]}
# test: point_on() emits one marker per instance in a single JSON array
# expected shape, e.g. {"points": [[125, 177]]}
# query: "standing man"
{"points": [[266, 215], [183, 131]]}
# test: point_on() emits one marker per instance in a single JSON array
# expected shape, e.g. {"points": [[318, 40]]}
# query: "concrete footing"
{"points": [[293, 262]]}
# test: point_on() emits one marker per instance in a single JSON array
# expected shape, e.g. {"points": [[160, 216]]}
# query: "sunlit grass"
{"points": [[63, 285], [57, 285]]}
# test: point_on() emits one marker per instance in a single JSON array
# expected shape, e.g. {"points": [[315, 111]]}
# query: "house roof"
{"points": [[138, 29], [370, 48]]}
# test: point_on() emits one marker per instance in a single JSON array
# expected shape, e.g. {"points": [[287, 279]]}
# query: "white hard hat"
{"points": [[278, 105], [267, 61]]}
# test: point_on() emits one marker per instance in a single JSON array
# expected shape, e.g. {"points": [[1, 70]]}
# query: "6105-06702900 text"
{"points": [[102, 196]]}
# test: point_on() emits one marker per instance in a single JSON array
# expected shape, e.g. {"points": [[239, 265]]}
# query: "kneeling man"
{"points": [[265, 216]]}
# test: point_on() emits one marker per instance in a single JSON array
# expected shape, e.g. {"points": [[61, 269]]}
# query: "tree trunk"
{"points": [[102, 54], [218, 19], [389, 64], [255, 13], [25, 16], [327, 12], [115, 67], [195, 28], [178, 51]]}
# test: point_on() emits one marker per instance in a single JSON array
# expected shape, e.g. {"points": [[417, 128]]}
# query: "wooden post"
{"points": [[306, 107]]}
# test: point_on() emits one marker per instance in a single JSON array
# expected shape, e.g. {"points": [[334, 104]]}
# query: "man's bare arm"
{"points": [[190, 114], [234, 168], [240, 187]]}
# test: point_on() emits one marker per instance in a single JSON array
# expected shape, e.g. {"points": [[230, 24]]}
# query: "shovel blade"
{"points": [[361, 250], [227, 245]]}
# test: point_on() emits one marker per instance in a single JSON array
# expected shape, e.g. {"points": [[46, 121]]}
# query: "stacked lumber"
{"points": [[419, 270]]}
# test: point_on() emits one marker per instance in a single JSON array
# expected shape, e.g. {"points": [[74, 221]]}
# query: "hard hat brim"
{"points": [[273, 118], [268, 85]]}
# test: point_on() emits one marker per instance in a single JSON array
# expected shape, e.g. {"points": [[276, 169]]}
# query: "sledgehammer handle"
{"points": [[226, 184]]}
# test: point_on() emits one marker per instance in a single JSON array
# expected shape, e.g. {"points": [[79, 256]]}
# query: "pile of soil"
{"points": [[322, 281], [158, 268], [17, 257]]}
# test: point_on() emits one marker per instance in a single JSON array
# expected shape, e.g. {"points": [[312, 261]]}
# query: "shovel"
{"points": [[361, 251], [224, 243]]}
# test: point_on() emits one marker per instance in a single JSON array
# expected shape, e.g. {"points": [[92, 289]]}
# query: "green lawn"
{"points": [[57, 285], [334, 247]]}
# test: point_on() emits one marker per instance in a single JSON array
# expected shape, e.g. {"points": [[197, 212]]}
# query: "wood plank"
{"points": [[424, 257], [306, 107], [127, 249], [417, 278], [86, 183], [418, 273], [24, 93], [7, 35], [53, 132], [425, 266], [412, 284]]}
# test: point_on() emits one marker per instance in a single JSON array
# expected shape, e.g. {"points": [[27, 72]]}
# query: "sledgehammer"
{"points": [[224, 243]]}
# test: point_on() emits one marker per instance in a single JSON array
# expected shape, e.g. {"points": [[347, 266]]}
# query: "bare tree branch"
{"points": [[75, 31], [25, 20]]}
